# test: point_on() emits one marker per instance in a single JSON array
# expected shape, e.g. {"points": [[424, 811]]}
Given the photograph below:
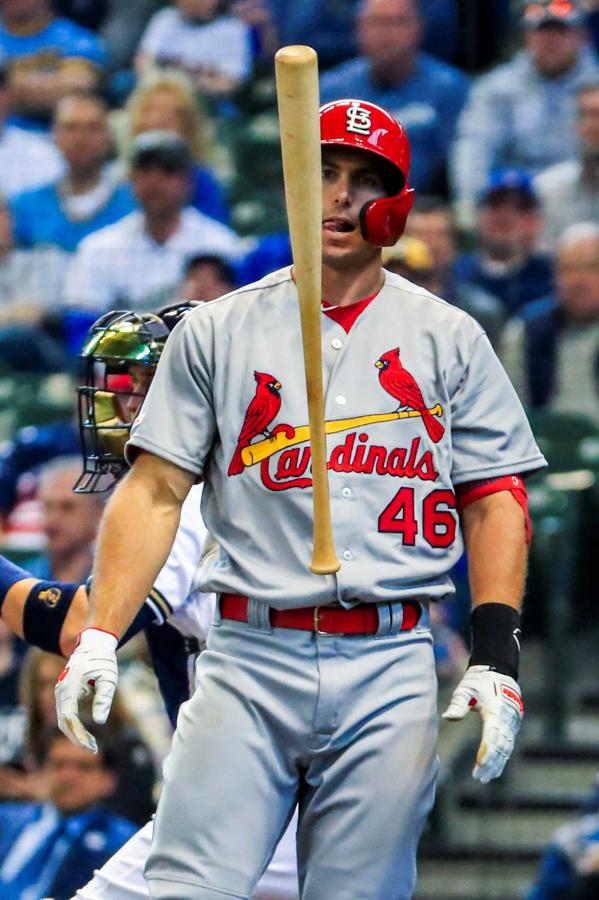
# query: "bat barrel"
{"points": [[296, 70]]}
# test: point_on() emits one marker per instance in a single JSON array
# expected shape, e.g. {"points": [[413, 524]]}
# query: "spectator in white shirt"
{"points": [[569, 191], [31, 281], [143, 255], [27, 160], [198, 36], [521, 114]]}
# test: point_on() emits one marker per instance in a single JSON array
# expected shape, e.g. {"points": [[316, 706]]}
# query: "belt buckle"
{"points": [[317, 626]]}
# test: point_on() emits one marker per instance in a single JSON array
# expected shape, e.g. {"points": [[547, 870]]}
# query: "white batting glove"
{"points": [[497, 698], [91, 670]]}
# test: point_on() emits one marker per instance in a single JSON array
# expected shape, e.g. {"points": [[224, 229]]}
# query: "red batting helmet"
{"points": [[357, 123]]}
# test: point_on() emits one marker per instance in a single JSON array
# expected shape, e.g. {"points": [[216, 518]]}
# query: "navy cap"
{"points": [[510, 181], [160, 148], [537, 13]]}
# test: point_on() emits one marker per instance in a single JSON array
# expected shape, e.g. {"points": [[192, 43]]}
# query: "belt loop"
{"points": [[396, 608], [384, 611], [258, 615], [424, 622], [218, 617]]}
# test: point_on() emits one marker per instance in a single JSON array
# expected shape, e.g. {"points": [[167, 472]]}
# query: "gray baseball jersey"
{"points": [[416, 403]]}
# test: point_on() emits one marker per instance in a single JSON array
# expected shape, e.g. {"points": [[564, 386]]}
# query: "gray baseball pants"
{"points": [[343, 727]]}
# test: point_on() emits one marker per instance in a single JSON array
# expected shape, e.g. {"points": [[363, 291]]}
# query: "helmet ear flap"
{"points": [[382, 221]]}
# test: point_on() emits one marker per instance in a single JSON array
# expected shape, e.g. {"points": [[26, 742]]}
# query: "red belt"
{"points": [[361, 619]]}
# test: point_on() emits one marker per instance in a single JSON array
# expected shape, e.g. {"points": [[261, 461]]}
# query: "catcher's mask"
{"points": [[116, 343]]}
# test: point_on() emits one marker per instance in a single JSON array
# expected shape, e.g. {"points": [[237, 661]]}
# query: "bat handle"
{"points": [[324, 558], [324, 561]]}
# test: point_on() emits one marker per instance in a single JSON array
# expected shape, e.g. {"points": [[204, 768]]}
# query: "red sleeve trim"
{"points": [[475, 490]]}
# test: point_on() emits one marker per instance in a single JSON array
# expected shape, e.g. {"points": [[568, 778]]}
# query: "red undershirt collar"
{"points": [[347, 315]]}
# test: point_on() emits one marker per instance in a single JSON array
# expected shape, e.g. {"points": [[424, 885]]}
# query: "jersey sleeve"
{"points": [[175, 581], [177, 420], [490, 432]]}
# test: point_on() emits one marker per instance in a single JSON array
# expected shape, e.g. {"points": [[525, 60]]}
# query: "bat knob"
{"points": [[325, 565]]}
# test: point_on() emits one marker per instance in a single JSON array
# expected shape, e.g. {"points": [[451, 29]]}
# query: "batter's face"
{"points": [[350, 178]]}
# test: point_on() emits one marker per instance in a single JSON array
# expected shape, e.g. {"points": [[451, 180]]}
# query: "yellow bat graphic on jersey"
{"points": [[255, 453]]}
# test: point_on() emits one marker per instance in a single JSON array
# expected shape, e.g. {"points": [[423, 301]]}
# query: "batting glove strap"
{"points": [[497, 698], [91, 670]]}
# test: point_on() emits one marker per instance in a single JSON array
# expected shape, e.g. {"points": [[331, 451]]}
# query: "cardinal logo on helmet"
{"points": [[358, 120]]}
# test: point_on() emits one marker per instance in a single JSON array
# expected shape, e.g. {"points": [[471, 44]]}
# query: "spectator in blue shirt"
{"points": [[320, 22], [89, 196], [48, 57], [424, 94], [506, 263], [53, 848]]}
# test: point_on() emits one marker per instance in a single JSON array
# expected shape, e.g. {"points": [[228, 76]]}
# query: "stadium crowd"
{"points": [[140, 164]]}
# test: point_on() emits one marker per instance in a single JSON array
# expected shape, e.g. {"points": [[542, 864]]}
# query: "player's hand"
{"points": [[91, 670], [497, 698]]}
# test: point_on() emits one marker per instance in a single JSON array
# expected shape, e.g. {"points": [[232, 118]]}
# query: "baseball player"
{"points": [[122, 351], [319, 692]]}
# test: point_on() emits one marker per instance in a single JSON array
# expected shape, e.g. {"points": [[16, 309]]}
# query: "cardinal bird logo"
{"points": [[402, 385], [263, 408]]}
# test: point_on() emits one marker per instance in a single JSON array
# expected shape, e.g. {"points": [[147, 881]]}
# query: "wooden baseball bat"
{"points": [[296, 70]]}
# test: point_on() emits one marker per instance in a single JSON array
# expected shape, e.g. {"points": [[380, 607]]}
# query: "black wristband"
{"points": [[495, 630], [44, 613]]}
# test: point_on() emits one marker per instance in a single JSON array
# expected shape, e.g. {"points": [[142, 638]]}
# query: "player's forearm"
{"points": [[136, 537], [495, 538], [46, 614]]}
